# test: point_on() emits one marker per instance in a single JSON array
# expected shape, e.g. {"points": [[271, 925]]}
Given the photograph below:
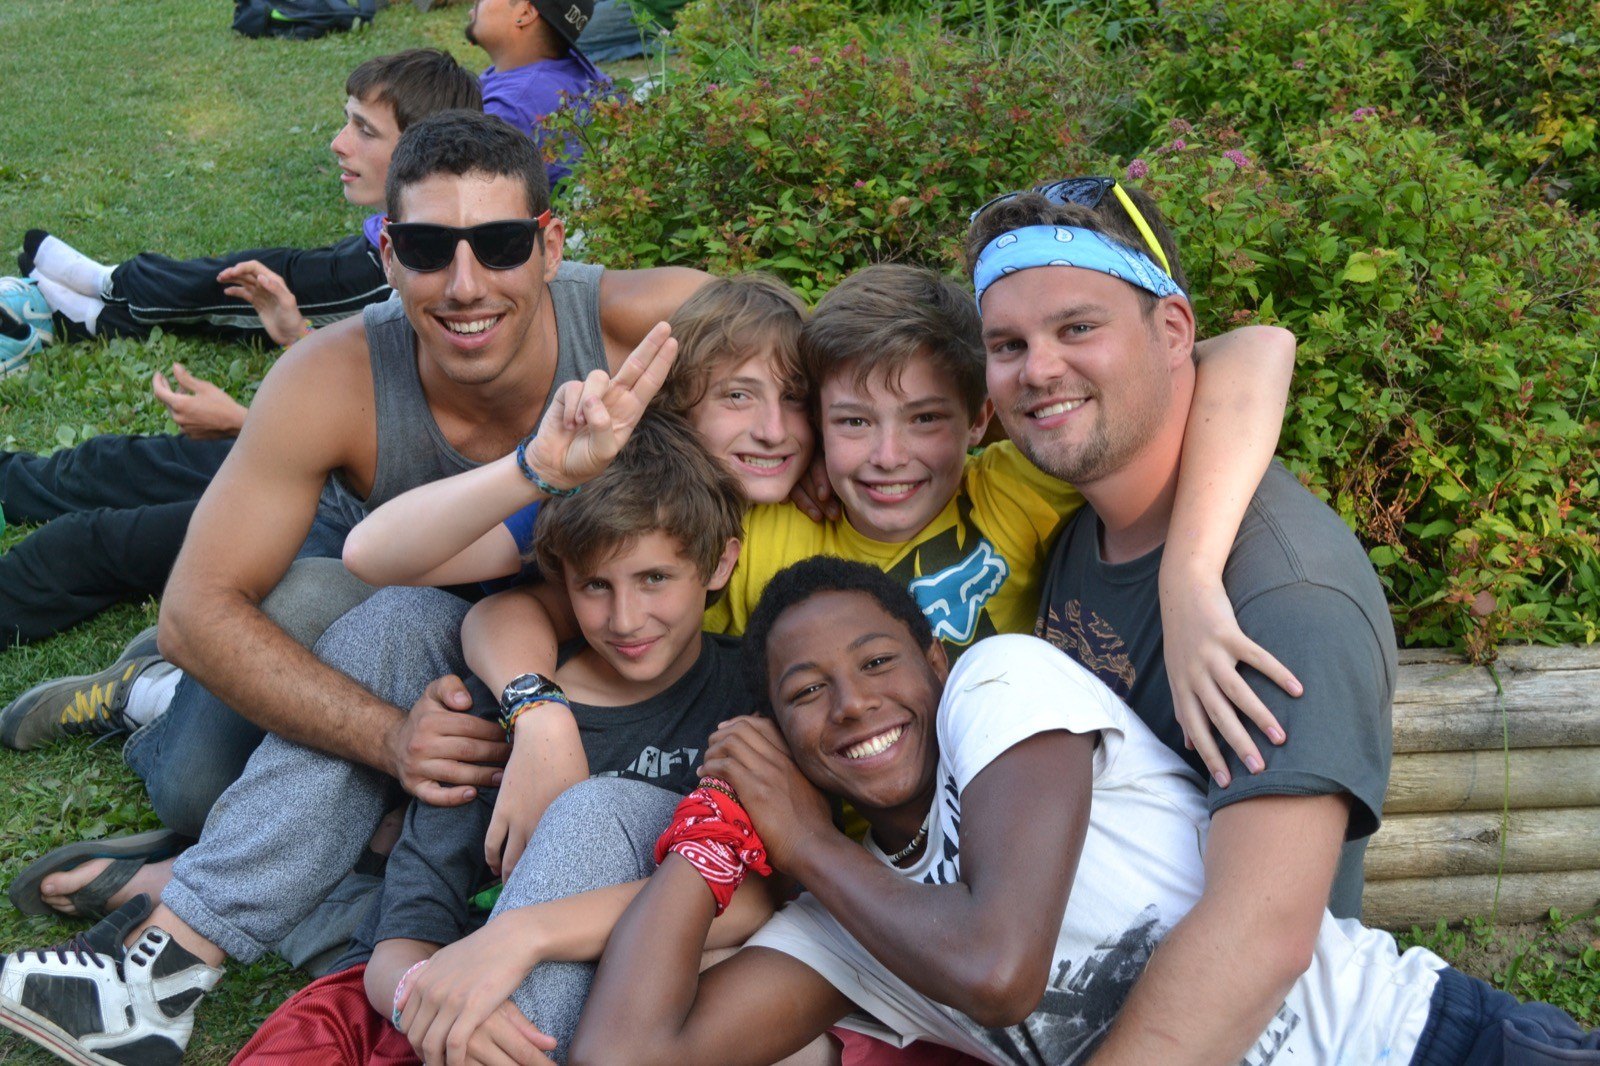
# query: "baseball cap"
{"points": [[569, 17]]}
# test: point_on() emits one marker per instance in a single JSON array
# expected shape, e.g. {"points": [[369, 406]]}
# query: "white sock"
{"points": [[151, 693], [60, 261], [75, 305]]}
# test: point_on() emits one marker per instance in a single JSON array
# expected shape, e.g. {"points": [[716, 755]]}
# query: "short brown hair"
{"points": [[725, 322], [416, 84], [663, 479], [1109, 219], [881, 318]]}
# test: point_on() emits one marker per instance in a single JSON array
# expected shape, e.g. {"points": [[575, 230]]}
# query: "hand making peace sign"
{"points": [[589, 421]]}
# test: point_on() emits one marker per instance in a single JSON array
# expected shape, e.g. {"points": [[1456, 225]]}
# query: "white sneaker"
{"points": [[94, 1002]]}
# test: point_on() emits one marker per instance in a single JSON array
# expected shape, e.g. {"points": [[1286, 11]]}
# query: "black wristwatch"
{"points": [[528, 688]]}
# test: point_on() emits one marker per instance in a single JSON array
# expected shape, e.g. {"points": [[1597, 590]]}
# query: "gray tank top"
{"points": [[412, 449]]}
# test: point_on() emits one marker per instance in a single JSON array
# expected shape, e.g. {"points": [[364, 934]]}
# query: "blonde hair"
{"points": [[725, 322]]}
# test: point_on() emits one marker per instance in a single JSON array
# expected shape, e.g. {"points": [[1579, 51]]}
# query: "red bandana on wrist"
{"points": [[712, 831]]}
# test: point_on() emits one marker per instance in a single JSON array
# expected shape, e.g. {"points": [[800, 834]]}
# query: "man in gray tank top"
{"points": [[452, 374]]}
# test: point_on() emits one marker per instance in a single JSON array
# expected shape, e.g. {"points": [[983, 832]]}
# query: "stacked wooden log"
{"points": [[1494, 800]]}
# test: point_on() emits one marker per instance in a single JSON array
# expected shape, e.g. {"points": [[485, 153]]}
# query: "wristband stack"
{"points": [[509, 716], [711, 830]]}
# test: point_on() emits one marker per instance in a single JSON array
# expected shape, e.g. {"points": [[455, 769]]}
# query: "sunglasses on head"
{"points": [[505, 245], [1088, 193]]}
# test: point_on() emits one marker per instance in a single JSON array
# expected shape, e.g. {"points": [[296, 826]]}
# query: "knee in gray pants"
{"points": [[598, 833]]}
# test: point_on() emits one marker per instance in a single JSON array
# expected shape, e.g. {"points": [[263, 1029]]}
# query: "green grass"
{"points": [[150, 125], [133, 127]]}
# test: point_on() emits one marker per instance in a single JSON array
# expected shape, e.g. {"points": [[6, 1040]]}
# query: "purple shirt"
{"points": [[523, 96]]}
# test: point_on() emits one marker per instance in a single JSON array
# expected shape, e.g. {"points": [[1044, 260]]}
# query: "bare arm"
{"points": [[975, 944], [446, 532], [753, 1008], [449, 999], [633, 301], [517, 632], [1241, 387], [449, 530], [242, 538], [1269, 869]]}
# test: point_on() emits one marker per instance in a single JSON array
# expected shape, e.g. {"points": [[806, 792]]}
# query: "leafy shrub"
{"points": [[833, 157], [1447, 399], [1515, 78]]}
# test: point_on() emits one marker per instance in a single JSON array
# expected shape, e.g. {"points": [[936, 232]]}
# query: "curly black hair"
{"points": [[822, 573]]}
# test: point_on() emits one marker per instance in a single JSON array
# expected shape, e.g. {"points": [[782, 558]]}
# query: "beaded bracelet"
{"points": [[532, 475], [400, 992], [509, 720], [721, 786]]}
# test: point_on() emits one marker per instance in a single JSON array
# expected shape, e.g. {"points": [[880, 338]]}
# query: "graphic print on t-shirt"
{"points": [[1081, 1001], [953, 583], [1093, 643], [654, 763]]}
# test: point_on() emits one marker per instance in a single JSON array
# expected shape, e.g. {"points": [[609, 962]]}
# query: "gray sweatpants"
{"points": [[598, 833], [295, 823]]}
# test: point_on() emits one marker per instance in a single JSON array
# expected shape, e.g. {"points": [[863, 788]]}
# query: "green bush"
{"points": [[832, 157], [1446, 399], [1514, 78]]}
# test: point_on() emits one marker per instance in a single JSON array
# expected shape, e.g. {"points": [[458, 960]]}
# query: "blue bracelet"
{"points": [[538, 482]]}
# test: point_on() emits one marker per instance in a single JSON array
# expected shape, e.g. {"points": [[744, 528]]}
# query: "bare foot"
{"points": [[151, 879]]}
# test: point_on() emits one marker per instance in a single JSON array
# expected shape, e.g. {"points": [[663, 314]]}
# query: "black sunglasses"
{"points": [[504, 245], [1087, 193]]}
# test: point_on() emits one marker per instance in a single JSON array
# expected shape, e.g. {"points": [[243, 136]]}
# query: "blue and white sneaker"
{"points": [[21, 301], [16, 354]]}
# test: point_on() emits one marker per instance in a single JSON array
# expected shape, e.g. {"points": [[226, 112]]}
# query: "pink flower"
{"points": [[1299, 64], [1361, 114], [1237, 158], [1138, 169], [860, 184], [1180, 126], [815, 60], [795, 50], [1179, 145], [712, 87]]}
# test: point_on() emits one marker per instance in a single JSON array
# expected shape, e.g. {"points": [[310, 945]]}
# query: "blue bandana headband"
{"points": [[1037, 246]]}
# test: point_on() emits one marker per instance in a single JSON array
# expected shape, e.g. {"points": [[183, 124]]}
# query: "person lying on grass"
{"points": [[1031, 844], [114, 509], [640, 550]]}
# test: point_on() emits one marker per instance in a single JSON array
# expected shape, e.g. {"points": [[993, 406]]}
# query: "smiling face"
{"points": [[757, 426], [857, 700], [1076, 370], [640, 609], [362, 148], [895, 446], [471, 320]]}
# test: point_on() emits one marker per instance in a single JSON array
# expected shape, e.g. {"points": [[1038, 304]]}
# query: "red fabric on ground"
{"points": [[859, 1050], [328, 1023]]}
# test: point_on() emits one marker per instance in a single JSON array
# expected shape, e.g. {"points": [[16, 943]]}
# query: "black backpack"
{"points": [[300, 19]]}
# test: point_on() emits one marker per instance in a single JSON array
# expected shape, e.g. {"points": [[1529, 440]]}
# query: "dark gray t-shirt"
{"points": [[1304, 590], [438, 863]]}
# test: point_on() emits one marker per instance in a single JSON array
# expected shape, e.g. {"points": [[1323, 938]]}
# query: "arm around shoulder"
{"points": [[633, 301]]}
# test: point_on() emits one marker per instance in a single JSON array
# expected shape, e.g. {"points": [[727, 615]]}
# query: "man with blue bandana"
{"points": [[1089, 332]]}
